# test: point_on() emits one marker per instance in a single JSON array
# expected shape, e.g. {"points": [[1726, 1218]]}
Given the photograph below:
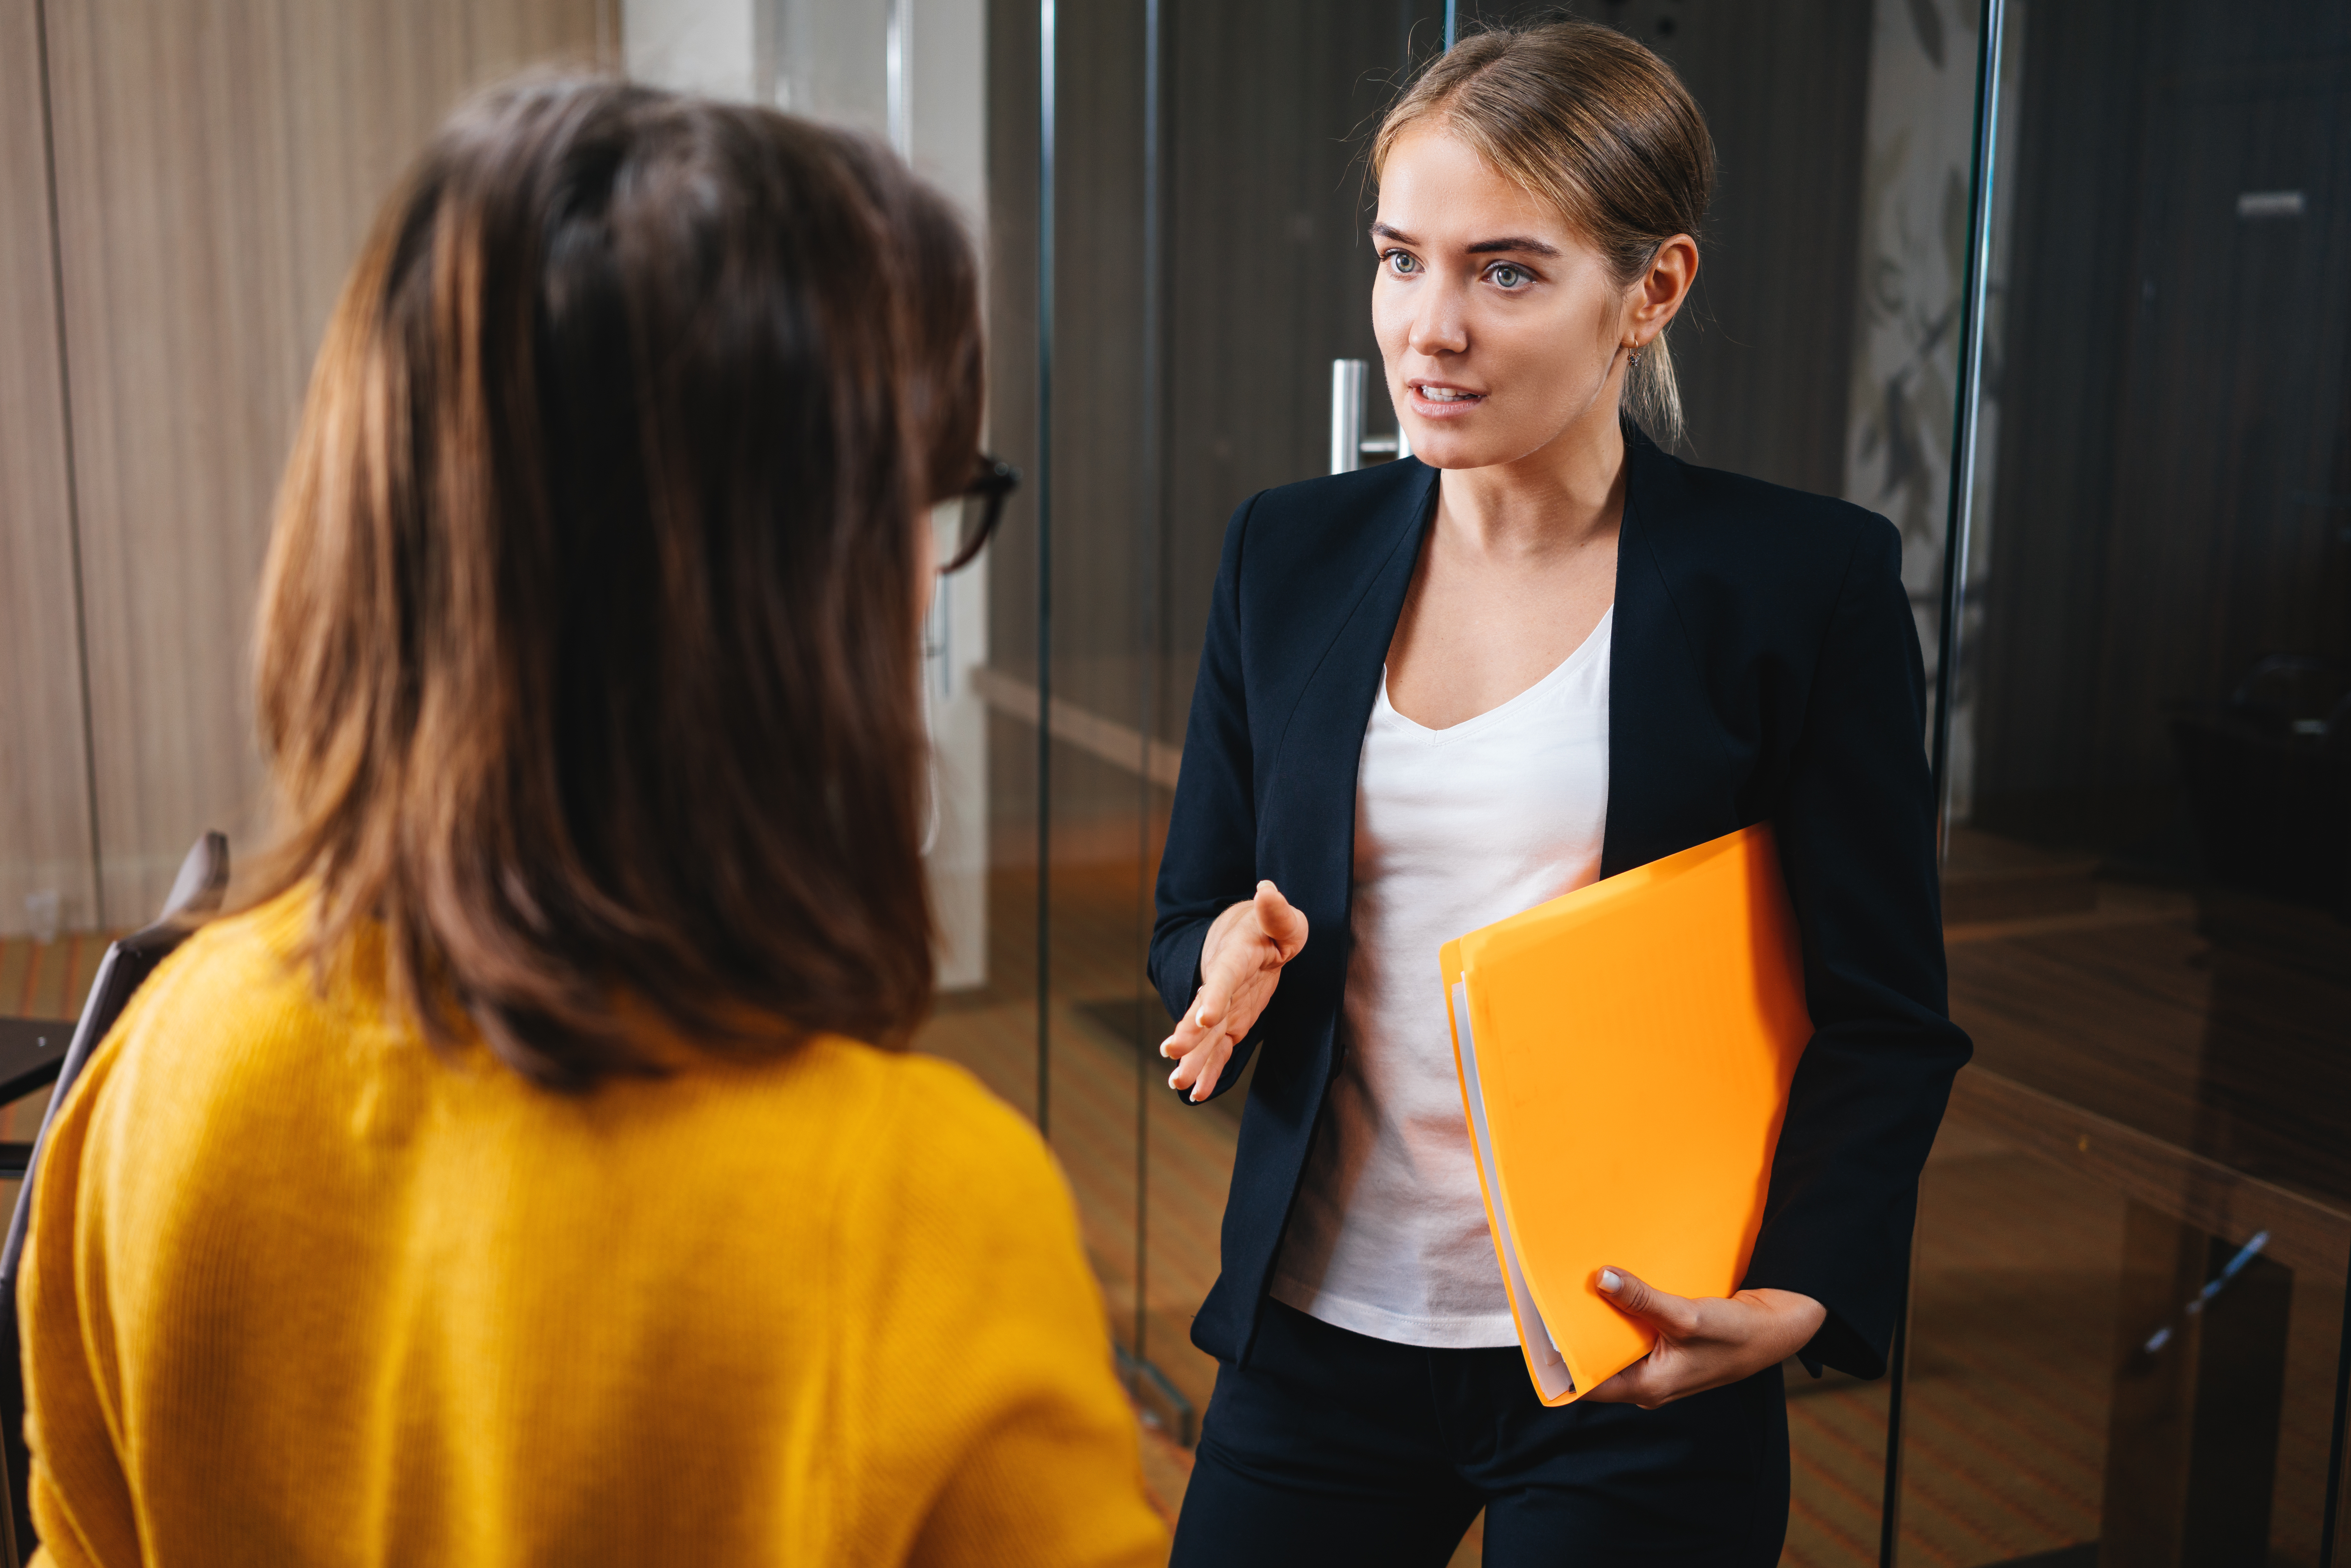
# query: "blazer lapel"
{"points": [[1665, 746], [1312, 786]]}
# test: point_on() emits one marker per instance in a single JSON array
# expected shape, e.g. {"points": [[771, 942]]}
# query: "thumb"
{"points": [[1636, 1298], [1283, 922]]}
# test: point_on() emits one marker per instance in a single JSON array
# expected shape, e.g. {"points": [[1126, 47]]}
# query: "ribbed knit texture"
{"points": [[302, 1290]]}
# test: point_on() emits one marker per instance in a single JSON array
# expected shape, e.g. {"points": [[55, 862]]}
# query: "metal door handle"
{"points": [[1349, 445]]}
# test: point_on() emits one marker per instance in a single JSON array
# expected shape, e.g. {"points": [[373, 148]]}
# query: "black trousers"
{"points": [[1331, 1446]]}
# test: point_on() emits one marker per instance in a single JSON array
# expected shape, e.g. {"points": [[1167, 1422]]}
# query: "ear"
{"points": [[1656, 295]]}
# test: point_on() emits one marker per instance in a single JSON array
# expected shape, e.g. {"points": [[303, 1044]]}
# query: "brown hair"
{"points": [[1588, 120], [587, 660]]}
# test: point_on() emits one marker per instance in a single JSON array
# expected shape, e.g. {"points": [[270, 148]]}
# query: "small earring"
{"points": [[1634, 360]]}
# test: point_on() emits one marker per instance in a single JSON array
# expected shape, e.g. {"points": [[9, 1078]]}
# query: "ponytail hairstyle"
{"points": [[1590, 121]]}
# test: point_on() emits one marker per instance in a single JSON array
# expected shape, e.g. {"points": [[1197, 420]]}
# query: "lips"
{"points": [[1435, 398]]}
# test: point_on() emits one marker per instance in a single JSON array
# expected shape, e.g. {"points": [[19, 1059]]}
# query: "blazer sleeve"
{"points": [[1855, 826], [1211, 860]]}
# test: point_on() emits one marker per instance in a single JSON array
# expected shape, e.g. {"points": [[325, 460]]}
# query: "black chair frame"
{"points": [[195, 893]]}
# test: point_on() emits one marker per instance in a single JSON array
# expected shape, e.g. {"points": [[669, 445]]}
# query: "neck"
{"points": [[1567, 493]]}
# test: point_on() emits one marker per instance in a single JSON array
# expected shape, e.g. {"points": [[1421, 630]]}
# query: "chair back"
{"points": [[196, 892]]}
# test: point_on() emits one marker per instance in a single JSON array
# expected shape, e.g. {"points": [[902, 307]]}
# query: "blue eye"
{"points": [[1402, 262], [1507, 277]]}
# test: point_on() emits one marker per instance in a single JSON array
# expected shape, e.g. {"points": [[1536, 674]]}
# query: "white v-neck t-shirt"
{"points": [[1455, 828]]}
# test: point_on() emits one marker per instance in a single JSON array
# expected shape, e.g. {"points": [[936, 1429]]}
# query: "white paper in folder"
{"points": [[1549, 1370]]}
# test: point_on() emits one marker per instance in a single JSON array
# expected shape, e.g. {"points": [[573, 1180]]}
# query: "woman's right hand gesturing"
{"points": [[1240, 963]]}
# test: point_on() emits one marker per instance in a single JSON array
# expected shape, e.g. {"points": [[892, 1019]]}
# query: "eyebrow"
{"points": [[1483, 247]]}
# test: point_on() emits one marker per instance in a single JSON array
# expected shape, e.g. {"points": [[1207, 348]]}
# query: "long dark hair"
{"points": [[587, 659]]}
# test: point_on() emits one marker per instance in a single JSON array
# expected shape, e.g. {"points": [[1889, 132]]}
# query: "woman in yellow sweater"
{"points": [[506, 1183]]}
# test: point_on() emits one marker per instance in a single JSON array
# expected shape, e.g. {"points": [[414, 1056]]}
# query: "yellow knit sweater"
{"points": [[301, 1292]]}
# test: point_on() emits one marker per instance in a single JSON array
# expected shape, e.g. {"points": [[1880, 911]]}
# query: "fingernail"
{"points": [[1171, 1078], [1610, 1280], [1202, 1017]]}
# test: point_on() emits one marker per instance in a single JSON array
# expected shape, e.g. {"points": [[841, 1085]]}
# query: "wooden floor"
{"points": [[2215, 1023], [43, 980]]}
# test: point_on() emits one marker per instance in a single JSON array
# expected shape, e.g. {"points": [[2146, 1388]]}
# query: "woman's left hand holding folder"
{"points": [[1703, 1341]]}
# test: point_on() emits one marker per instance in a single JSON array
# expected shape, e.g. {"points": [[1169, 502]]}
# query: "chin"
{"points": [[1453, 449]]}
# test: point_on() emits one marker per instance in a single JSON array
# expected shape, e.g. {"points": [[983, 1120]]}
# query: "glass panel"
{"points": [[1207, 267], [1095, 483], [1816, 355], [1267, 280], [983, 639], [1061, 846], [2150, 783]]}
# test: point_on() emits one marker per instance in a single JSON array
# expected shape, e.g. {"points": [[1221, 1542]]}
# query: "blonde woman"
{"points": [[1440, 691], [533, 1173]]}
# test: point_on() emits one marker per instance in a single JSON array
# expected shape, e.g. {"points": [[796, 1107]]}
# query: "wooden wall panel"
{"points": [[2172, 459], [218, 163], [45, 841], [1269, 262], [1765, 354]]}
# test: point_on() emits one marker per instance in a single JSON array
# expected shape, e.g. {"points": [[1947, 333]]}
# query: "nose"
{"points": [[1440, 326]]}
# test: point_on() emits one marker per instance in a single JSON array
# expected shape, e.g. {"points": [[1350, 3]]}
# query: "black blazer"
{"points": [[1765, 666]]}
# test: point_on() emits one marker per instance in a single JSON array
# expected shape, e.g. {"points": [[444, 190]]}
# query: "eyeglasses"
{"points": [[983, 508]]}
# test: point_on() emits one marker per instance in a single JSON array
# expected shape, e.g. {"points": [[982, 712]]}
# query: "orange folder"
{"points": [[1624, 1053]]}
